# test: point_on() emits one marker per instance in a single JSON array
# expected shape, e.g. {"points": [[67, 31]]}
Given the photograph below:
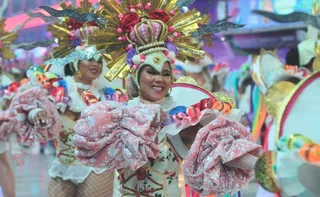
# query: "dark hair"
{"points": [[69, 69], [133, 90], [139, 74], [215, 84], [292, 57], [244, 84]]}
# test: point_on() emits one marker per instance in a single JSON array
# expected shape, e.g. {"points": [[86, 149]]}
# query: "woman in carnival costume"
{"points": [[275, 81], [62, 95], [164, 123]]}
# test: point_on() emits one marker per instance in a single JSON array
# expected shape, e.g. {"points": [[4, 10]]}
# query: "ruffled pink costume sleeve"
{"points": [[211, 165], [25, 102], [116, 136], [7, 123]]}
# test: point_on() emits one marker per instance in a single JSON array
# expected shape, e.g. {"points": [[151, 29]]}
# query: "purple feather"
{"points": [[131, 53], [172, 47], [76, 42]]}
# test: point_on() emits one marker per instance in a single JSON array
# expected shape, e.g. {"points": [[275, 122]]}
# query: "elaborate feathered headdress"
{"points": [[72, 32], [149, 32]]}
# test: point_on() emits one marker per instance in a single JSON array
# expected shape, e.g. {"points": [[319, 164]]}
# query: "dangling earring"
{"points": [[169, 92], [78, 74]]}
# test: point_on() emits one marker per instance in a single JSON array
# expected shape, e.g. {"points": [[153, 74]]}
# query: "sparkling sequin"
{"points": [[215, 28], [156, 60], [81, 17], [86, 54]]}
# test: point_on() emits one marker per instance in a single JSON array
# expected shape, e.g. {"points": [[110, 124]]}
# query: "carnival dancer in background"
{"points": [[242, 91], [219, 73], [291, 167], [307, 50], [163, 124], [198, 70], [271, 75], [59, 94]]}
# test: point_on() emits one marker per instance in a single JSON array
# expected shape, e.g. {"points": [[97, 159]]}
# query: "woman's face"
{"points": [[154, 86], [89, 69]]}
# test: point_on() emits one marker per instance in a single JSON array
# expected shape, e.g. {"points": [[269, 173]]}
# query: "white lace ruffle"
{"points": [[76, 104], [75, 173]]}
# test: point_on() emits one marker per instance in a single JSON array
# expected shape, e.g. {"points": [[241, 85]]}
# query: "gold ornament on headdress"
{"points": [[177, 29], [64, 31], [6, 38]]}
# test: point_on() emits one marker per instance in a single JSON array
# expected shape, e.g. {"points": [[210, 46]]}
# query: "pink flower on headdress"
{"points": [[129, 21], [73, 24], [159, 15]]}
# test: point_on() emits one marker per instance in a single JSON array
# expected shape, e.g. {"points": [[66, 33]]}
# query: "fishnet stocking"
{"points": [[58, 187], [97, 185], [6, 176]]}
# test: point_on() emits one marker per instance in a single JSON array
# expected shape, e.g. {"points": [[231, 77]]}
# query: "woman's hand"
{"points": [[41, 118], [163, 115]]}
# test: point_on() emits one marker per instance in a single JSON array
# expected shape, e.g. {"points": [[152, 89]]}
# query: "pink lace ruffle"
{"points": [[116, 136], [217, 143], [26, 101], [7, 123]]}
